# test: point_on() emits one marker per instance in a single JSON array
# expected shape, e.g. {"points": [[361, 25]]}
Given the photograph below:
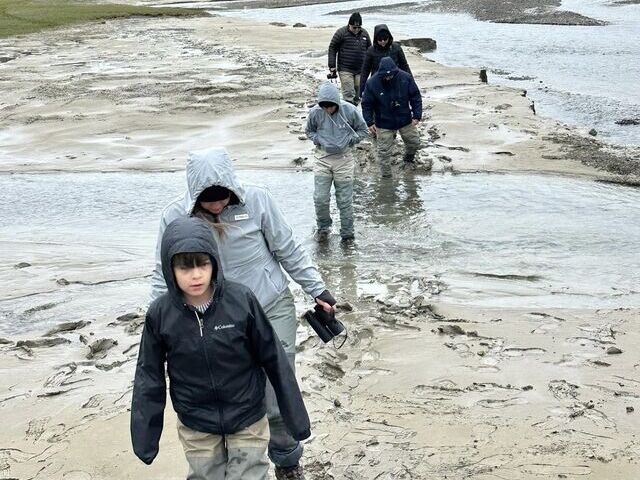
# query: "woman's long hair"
{"points": [[214, 220]]}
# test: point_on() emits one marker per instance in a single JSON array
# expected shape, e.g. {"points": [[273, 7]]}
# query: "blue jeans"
{"points": [[284, 450]]}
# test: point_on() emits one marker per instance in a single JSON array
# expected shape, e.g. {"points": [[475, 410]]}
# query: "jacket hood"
{"points": [[188, 235], [387, 67], [379, 29], [211, 167], [329, 93]]}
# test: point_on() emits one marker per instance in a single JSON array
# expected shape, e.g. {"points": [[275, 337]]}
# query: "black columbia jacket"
{"points": [[216, 361], [350, 48], [375, 53]]}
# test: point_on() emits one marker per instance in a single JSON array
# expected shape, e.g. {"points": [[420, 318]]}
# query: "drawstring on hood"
{"points": [[188, 235], [329, 93]]}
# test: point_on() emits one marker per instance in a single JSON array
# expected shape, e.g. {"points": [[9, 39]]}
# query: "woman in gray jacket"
{"points": [[255, 243]]}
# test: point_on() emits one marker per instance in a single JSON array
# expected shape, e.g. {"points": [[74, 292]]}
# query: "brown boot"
{"points": [[290, 473]]}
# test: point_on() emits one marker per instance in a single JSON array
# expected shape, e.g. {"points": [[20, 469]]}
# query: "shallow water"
{"points": [[586, 76], [493, 240]]}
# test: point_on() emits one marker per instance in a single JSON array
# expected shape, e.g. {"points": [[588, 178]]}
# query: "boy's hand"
{"points": [[373, 129], [326, 301]]}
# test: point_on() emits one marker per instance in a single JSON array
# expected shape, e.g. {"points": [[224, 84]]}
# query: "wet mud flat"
{"points": [[422, 388]]}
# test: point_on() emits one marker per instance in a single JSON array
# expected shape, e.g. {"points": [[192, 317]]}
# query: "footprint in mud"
{"points": [[463, 349], [446, 387], [561, 389], [501, 402], [547, 470], [61, 377], [545, 328], [488, 367], [76, 475], [473, 469], [36, 428], [362, 336], [522, 351], [330, 370]]}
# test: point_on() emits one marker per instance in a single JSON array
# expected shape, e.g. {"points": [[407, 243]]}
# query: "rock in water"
{"points": [[422, 44]]}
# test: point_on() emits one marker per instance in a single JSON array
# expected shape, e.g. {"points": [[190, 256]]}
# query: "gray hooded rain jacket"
{"points": [[335, 133], [258, 241]]}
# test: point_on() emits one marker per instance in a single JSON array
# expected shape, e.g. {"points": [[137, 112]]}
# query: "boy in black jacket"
{"points": [[217, 344]]}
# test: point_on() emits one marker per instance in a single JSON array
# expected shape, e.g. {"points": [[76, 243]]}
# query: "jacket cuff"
{"points": [[303, 435]]}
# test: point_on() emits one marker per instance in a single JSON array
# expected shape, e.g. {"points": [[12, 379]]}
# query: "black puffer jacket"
{"points": [[350, 48], [216, 361], [375, 53]]}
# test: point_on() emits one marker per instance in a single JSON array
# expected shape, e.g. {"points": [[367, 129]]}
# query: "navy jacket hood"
{"points": [[387, 67]]}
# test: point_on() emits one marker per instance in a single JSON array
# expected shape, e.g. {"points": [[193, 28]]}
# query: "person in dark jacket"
{"points": [[219, 348], [349, 44], [383, 46], [393, 99]]}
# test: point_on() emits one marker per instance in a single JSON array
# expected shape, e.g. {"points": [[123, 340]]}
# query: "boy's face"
{"points": [[195, 282]]}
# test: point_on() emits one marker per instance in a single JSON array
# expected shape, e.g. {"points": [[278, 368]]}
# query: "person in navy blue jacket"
{"points": [[392, 103]]}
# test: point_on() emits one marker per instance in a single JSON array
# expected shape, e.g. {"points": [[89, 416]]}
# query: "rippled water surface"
{"points": [[582, 75], [503, 240]]}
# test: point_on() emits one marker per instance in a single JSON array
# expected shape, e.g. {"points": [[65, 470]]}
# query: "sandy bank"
{"points": [[90, 99]]}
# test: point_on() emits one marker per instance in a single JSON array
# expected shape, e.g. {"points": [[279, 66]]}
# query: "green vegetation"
{"points": [[28, 16]]}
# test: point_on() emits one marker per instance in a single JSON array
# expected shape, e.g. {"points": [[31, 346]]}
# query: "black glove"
{"points": [[327, 297]]}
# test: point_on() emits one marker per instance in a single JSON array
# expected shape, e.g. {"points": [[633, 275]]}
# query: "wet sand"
{"points": [[422, 389]]}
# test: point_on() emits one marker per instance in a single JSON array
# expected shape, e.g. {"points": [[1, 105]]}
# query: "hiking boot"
{"points": [[347, 239], [321, 235], [290, 473], [409, 158]]}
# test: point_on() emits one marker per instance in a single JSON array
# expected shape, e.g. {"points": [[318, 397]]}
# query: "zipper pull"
{"points": [[199, 323]]}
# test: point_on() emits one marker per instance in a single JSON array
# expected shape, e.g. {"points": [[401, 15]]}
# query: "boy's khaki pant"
{"points": [[238, 456]]}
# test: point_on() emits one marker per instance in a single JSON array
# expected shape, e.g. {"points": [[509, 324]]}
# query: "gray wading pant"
{"points": [[337, 170], [350, 86], [236, 456], [284, 450], [385, 140]]}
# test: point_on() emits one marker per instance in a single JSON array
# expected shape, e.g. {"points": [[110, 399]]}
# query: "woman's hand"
{"points": [[326, 301]]}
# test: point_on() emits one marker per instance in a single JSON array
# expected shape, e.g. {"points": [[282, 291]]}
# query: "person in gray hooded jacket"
{"points": [[334, 127], [255, 243]]}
